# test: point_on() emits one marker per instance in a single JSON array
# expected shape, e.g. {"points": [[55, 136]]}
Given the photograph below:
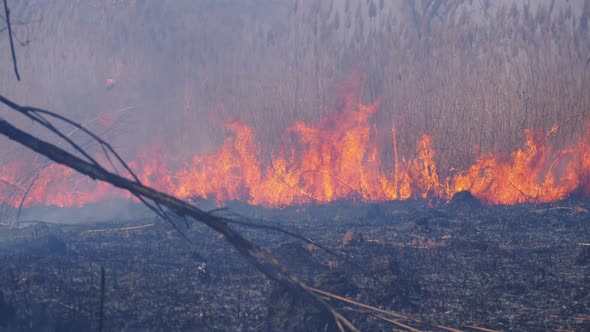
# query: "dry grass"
{"points": [[473, 76]]}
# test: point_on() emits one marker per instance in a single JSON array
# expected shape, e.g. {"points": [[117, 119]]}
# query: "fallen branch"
{"points": [[256, 255]]}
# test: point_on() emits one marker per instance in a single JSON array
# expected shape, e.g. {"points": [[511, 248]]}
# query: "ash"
{"points": [[524, 267]]}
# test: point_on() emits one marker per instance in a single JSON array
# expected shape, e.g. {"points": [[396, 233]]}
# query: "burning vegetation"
{"points": [[438, 152], [437, 103], [336, 159]]}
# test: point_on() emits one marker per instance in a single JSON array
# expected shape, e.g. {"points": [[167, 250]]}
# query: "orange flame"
{"points": [[337, 158], [112, 81]]}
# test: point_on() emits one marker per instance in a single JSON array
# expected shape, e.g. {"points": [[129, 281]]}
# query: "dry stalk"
{"points": [[409, 328], [481, 328]]}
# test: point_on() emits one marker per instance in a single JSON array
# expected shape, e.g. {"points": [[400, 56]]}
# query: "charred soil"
{"points": [[524, 267]]}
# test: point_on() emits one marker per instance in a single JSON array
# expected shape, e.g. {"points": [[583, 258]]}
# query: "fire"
{"points": [[49, 184], [336, 158], [112, 81], [535, 173]]}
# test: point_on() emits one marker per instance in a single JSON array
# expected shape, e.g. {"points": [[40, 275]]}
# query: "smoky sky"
{"points": [[170, 72]]}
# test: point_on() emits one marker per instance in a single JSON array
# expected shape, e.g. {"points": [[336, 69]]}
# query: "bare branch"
{"points": [[7, 13], [255, 254]]}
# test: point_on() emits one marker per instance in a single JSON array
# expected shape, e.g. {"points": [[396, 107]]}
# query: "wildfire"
{"points": [[337, 158]]}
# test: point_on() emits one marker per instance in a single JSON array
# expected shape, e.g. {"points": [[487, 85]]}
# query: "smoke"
{"points": [[168, 73]]}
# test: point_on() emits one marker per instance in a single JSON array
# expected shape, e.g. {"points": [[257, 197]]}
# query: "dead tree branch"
{"points": [[7, 13], [154, 199]]}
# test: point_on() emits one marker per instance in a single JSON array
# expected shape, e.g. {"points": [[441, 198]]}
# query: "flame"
{"points": [[112, 81], [336, 158], [535, 173]]}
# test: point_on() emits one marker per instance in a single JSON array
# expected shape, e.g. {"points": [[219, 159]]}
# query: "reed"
{"points": [[471, 74]]}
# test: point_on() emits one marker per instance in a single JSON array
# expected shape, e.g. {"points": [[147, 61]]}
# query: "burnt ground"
{"points": [[518, 268]]}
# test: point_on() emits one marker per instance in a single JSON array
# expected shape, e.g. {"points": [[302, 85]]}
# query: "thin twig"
{"points": [[7, 13], [35, 173], [528, 198], [375, 310], [389, 320], [557, 126], [481, 328], [333, 177], [297, 190], [25, 195], [102, 296], [120, 229], [359, 304]]}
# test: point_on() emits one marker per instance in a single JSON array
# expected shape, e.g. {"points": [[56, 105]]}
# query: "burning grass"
{"points": [[337, 158], [442, 81], [438, 102]]}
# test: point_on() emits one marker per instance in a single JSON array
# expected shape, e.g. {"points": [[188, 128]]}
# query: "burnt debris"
{"points": [[521, 267]]}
